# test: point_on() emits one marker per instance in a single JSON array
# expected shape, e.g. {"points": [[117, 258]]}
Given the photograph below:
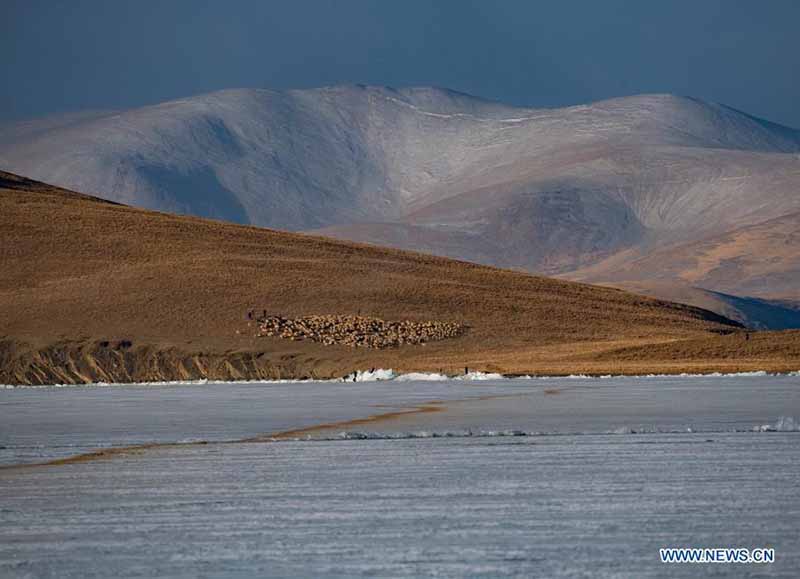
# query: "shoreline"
{"points": [[367, 376]]}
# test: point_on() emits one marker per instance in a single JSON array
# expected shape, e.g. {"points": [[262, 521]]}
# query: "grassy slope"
{"points": [[82, 277]]}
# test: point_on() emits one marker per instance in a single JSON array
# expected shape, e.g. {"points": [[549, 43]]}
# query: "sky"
{"points": [[64, 56]]}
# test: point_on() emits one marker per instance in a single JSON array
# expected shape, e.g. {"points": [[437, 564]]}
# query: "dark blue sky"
{"points": [[68, 55]]}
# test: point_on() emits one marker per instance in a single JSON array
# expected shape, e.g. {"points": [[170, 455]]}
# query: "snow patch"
{"points": [[370, 375], [422, 377], [381, 374], [783, 424], [480, 376]]}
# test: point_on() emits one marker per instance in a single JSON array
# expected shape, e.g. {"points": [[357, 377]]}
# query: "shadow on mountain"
{"points": [[195, 192], [760, 314]]}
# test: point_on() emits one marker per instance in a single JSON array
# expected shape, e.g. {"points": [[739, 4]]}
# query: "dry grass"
{"points": [[81, 274]]}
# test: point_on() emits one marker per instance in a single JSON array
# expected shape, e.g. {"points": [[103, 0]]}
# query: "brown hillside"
{"points": [[98, 291]]}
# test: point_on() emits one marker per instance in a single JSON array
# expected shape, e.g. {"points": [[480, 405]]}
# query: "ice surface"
{"points": [[552, 477], [562, 506], [38, 424]]}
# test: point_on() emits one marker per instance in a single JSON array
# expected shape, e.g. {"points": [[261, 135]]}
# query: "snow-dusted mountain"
{"points": [[583, 191], [291, 160]]}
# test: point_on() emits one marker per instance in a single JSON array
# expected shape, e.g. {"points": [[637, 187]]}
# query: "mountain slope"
{"points": [[96, 290], [291, 159], [578, 191], [760, 260]]}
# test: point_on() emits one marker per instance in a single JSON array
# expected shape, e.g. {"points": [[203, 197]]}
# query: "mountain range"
{"points": [[669, 196]]}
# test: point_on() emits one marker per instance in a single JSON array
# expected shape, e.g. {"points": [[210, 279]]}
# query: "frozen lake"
{"points": [[591, 478], [39, 424]]}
